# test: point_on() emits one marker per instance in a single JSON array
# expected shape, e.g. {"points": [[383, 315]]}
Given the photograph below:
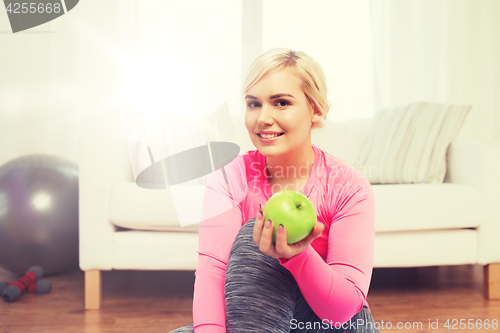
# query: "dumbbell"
{"points": [[11, 291]]}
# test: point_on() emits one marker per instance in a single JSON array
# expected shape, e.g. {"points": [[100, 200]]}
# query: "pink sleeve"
{"points": [[221, 221], [336, 289]]}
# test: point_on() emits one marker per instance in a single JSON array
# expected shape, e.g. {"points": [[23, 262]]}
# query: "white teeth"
{"points": [[269, 136]]}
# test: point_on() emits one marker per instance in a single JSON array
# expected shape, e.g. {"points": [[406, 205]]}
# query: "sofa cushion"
{"points": [[426, 248], [409, 144], [401, 207], [133, 207]]}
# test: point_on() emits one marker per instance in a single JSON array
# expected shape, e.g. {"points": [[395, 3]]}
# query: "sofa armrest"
{"points": [[475, 163], [103, 161]]}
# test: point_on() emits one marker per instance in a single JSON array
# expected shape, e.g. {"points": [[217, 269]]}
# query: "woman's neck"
{"points": [[289, 167]]}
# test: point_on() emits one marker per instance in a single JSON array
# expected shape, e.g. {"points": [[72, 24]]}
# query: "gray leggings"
{"points": [[262, 296]]}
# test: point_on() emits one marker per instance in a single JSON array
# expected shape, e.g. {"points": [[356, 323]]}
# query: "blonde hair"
{"points": [[299, 64]]}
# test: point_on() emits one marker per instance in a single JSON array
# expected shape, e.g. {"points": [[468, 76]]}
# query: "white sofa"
{"points": [[123, 226]]}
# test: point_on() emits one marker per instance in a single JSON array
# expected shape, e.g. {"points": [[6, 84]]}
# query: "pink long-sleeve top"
{"points": [[333, 272]]}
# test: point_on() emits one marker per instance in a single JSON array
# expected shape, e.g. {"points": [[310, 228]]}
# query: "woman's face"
{"points": [[276, 104]]}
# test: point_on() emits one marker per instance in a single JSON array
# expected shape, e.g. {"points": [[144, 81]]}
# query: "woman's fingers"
{"points": [[263, 237], [259, 223], [266, 239], [318, 229], [281, 241], [315, 232]]}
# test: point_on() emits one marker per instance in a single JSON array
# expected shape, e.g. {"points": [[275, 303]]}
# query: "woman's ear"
{"points": [[316, 115]]}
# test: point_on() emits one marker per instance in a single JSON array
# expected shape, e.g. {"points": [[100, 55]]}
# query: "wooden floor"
{"points": [[159, 301]]}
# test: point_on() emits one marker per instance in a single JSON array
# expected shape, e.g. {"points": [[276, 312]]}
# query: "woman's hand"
{"points": [[263, 238]]}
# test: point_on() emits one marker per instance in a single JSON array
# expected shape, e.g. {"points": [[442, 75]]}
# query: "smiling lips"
{"points": [[269, 135]]}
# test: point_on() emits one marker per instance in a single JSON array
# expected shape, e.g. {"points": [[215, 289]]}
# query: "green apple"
{"points": [[294, 211]]}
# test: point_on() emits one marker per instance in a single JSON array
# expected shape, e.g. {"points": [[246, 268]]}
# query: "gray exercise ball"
{"points": [[39, 214]]}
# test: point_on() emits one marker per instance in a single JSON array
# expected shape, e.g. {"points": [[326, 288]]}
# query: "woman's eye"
{"points": [[253, 105], [282, 102]]}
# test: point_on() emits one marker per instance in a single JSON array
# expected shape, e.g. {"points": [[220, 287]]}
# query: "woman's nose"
{"points": [[265, 115]]}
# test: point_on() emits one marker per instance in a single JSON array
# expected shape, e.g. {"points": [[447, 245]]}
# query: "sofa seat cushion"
{"points": [[406, 207], [426, 248], [133, 207]]}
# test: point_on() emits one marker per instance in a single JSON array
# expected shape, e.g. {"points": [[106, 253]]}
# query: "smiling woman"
{"points": [[285, 94], [279, 124], [245, 282]]}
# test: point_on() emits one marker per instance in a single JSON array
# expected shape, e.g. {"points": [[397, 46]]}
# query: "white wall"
{"points": [[85, 72], [443, 51], [337, 34], [57, 79]]}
